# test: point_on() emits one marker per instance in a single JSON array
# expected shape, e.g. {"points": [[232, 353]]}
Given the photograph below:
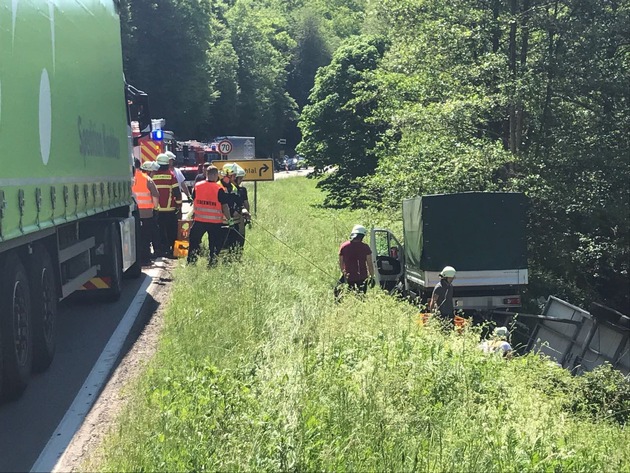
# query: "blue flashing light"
{"points": [[157, 135]]}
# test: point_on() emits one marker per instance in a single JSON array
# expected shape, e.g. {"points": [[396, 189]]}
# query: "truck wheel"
{"points": [[15, 327], [113, 265], [44, 307], [1, 362], [135, 270]]}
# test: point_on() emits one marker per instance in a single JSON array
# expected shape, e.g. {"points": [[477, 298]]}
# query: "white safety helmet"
{"points": [[162, 159], [240, 172], [147, 166], [229, 169], [501, 332], [448, 272], [170, 155], [155, 166], [358, 230]]}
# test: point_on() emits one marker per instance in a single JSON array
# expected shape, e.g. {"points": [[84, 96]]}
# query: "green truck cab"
{"points": [[66, 207]]}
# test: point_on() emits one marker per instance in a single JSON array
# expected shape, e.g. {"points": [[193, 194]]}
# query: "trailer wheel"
{"points": [[15, 327], [44, 301], [113, 264]]}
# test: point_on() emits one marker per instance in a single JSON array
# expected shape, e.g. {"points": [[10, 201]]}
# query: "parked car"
{"points": [[290, 164]]}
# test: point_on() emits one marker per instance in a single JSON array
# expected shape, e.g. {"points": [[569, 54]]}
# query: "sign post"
{"points": [[255, 170]]}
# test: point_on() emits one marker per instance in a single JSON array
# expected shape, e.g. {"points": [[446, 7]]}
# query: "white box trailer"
{"points": [[581, 340]]}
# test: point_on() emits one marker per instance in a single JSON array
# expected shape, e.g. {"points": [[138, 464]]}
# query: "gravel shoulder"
{"points": [[139, 349]]}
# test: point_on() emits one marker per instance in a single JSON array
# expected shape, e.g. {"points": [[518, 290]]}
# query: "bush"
{"points": [[604, 393]]}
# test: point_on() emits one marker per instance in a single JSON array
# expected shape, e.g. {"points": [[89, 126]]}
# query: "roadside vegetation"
{"points": [[258, 369], [408, 97]]}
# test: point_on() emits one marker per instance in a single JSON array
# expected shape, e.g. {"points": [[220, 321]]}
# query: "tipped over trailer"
{"points": [[67, 214], [481, 234], [581, 340]]}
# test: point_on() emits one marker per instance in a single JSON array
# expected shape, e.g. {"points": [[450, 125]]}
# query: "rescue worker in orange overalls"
{"points": [[170, 205], [148, 199], [211, 213]]}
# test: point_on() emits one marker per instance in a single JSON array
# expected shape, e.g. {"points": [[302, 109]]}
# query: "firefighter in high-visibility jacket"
{"points": [[235, 204], [211, 216], [148, 199], [170, 205]]}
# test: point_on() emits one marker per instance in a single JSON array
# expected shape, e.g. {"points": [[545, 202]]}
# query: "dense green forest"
{"points": [[420, 96]]}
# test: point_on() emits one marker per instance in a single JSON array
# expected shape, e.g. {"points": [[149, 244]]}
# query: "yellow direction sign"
{"points": [[255, 169]]}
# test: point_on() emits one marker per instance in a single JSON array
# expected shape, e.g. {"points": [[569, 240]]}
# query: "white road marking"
{"points": [[93, 385]]}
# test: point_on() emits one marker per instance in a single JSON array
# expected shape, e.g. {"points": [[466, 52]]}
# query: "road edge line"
{"points": [[93, 385]]}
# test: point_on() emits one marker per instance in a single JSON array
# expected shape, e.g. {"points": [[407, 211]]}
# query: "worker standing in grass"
{"points": [[355, 261], [244, 201], [211, 211], [442, 298], [234, 203]]}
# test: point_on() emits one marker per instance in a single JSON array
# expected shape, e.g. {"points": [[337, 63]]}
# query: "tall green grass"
{"points": [[258, 369]]}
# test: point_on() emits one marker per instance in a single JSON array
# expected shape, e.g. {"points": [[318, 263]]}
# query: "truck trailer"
{"points": [[481, 234], [68, 221]]}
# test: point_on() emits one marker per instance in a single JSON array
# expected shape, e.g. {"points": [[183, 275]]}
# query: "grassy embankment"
{"points": [[258, 369]]}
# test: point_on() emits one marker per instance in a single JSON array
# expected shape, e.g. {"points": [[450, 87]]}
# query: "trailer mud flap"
{"points": [[128, 241]]}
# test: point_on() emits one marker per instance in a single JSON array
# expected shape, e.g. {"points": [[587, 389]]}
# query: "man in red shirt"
{"points": [[355, 260]]}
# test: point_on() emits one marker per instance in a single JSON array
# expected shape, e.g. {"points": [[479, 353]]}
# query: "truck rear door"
{"points": [[387, 257]]}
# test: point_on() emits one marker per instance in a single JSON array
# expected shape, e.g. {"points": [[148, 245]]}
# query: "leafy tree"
{"points": [[261, 43], [310, 53], [339, 126], [520, 95], [165, 50]]}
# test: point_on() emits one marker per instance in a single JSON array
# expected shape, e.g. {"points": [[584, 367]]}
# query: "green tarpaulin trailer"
{"points": [[66, 208], [472, 231], [481, 234]]}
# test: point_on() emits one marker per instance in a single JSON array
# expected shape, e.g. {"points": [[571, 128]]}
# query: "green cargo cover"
{"points": [[63, 127], [472, 231]]}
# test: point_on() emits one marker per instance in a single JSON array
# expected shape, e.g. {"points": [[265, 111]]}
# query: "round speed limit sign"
{"points": [[225, 147]]}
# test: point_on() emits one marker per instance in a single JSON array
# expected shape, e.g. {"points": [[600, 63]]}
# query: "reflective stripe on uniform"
{"points": [[207, 205], [141, 191], [165, 184]]}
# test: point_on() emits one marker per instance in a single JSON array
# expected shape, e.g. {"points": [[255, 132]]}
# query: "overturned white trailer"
{"points": [[581, 340]]}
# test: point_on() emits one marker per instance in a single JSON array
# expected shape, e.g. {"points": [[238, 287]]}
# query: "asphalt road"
{"points": [[84, 329], [285, 174], [27, 424]]}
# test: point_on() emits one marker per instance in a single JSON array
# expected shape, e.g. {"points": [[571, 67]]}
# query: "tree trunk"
{"points": [[551, 57], [513, 144]]}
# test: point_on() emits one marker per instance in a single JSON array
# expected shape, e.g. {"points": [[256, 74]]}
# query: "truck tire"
{"points": [[15, 327], [113, 263], [135, 270], [1, 360], [44, 299]]}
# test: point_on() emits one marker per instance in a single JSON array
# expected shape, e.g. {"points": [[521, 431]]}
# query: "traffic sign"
{"points": [[225, 147], [255, 169]]}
